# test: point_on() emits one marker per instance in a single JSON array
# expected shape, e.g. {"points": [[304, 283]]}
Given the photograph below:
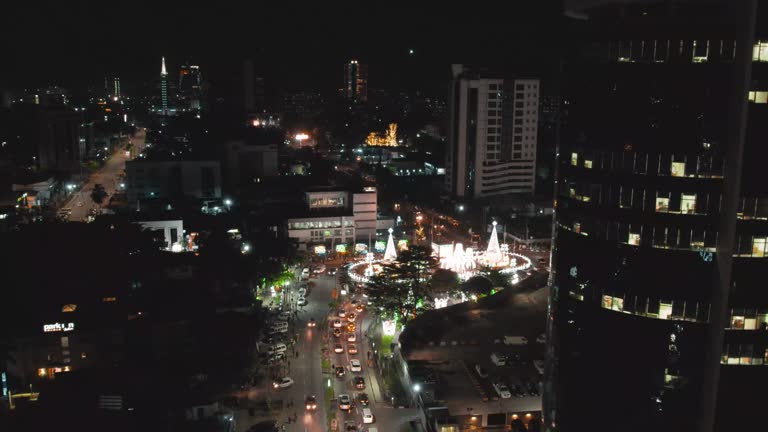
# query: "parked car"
{"points": [[481, 371], [359, 382], [283, 383], [302, 301], [302, 291], [355, 366], [502, 390], [345, 403]]}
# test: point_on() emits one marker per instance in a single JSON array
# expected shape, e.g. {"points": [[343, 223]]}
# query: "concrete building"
{"points": [[336, 216], [493, 135], [248, 163], [173, 232], [164, 180]]}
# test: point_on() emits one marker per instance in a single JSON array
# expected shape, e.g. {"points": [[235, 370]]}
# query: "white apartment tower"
{"points": [[493, 134]]}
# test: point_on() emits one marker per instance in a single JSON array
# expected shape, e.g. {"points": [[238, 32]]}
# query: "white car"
{"points": [[302, 291], [502, 390], [338, 349], [337, 324], [355, 366], [283, 383], [302, 301], [351, 337], [481, 371]]}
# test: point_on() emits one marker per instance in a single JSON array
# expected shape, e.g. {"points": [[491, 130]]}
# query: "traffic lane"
{"points": [[309, 378]]}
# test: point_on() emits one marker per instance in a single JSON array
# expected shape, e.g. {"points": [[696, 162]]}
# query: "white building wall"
{"points": [[166, 227], [364, 208]]}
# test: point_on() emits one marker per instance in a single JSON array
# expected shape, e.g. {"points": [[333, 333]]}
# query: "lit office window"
{"points": [[634, 239], [574, 159], [758, 246], [662, 204], [688, 204], [678, 169], [759, 97], [587, 164], [760, 51], [665, 310]]}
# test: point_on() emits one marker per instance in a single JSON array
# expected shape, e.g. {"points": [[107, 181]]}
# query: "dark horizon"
{"points": [[77, 45]]}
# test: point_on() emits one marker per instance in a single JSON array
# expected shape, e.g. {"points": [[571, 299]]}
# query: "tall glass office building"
{"points": [[658, 310]]}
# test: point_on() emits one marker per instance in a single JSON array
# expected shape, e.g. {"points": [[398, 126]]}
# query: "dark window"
{"points": [[174, 235], [207, 182]]}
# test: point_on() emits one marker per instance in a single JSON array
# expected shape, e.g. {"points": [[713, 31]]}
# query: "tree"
{"points": [[404, 288], [497, 278], [98, 193]]}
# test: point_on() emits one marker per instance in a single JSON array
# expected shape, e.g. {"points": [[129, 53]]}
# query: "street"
{"points": [[81, 203]]}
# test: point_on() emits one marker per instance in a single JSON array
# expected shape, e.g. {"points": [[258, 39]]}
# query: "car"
{"points": [[319, 269], [302, 291], [277, 349], [367, 416], [363, 399], [342, 313], [302, 301], [355, 366], [359, 382], [345, 402], [351, 337], [340, 371], [277, 331], [311, 322], [359, 308], [352, 349], [283, 383], [542, 338], [539, 365], [532, 388], [277, 357], [518, 390], [351, 317], [311, 403], [502, 390], [481, 372], [337, 332], [351, 327], [337, 323], [338, 348], [284, 316], [332, 271]]}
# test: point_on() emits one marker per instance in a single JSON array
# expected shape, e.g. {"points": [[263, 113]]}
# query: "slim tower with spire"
{"points": [[164, 88]]}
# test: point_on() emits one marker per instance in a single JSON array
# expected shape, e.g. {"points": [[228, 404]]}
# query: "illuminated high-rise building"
{"points": [[658, 313], [356, 81], [493, 135], [164, 88], [190, 86]]}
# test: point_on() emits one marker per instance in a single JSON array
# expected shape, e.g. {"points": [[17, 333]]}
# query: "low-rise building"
{"points": [[168, 180], [335, 216]]}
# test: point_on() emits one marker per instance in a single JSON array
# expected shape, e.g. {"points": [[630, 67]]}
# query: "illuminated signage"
{"points": [[58, 327], [341, 248], [380, 246], [320, 250]]}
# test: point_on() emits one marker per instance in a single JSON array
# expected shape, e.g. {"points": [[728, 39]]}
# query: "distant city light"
{"points": [[410, 51], [301, 137]]}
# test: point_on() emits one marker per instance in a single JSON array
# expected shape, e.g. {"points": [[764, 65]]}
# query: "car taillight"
{"points": [[309, 406]]}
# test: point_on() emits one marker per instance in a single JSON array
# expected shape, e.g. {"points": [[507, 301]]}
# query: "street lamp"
{"points": [[417, 388]]}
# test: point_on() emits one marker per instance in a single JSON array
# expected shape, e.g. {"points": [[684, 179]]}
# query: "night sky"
{"points": [[76, 43]]}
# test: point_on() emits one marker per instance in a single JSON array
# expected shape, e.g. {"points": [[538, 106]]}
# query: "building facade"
{"points": [[334, 217], [190, 87], [656, 306], [493, 135], [163, 89], [169, 180], [356, 81], [247, 164]]}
